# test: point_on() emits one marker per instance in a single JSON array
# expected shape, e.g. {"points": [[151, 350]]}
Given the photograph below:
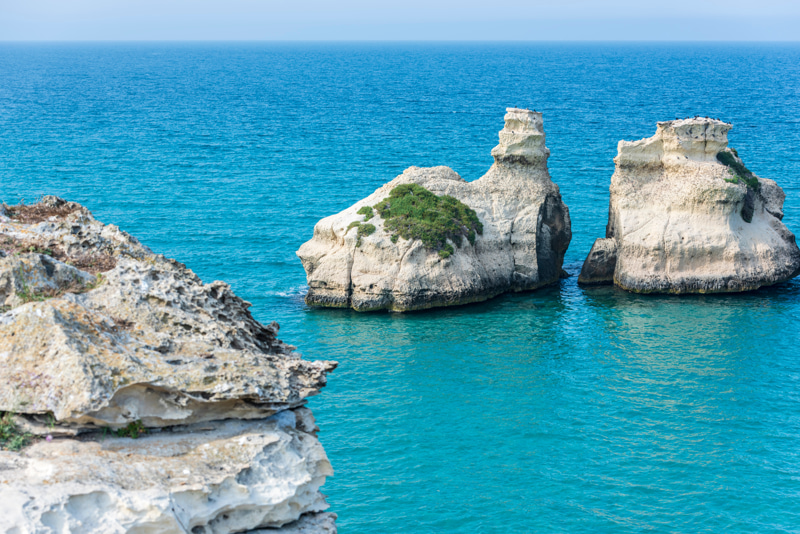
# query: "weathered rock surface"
{"points": [[681, 221], [231, 476], [115, 335], [598, 269], [526, 231]]}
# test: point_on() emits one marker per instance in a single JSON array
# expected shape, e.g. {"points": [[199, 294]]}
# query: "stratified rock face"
{"points": [[97, 334], [686, 216], [526, 231]]}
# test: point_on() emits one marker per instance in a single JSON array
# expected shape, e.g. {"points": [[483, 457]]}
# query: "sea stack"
{"points": [[429, 238], [136, 398], [687, 216]]}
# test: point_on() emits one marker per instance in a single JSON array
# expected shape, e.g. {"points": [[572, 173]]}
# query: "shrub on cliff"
{"points": [[412, 212], [738, 170], [367, 212], [363, 230]]}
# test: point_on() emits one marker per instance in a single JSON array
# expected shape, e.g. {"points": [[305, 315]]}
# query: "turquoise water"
{"points": [[563, 410]]}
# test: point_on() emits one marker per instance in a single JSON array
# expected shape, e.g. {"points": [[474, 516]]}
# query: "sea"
{"points": [[567, 409]]}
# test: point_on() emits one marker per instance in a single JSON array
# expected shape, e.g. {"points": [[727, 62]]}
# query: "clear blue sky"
{"points": [[407, 20]]}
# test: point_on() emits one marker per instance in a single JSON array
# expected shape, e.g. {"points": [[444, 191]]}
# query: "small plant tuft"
{"points": [[36, 250], [446, 251], [97, 282], [29, 295], [363, 230], [366, 229], [134, 430], [367, 212], [11, 438]]}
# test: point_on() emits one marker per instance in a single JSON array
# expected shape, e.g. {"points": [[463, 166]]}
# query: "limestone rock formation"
{"points": [[525, 233], [101, 342], [598, 269], [686, 216]]}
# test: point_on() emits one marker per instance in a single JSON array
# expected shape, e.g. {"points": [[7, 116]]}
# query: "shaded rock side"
{"points": [[687, 216], [598, 269], [98, 333], [526, 231]]}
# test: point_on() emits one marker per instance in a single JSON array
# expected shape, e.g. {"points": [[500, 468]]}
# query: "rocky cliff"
{"points": [[135, 398], [687, 216], [367, 258]]}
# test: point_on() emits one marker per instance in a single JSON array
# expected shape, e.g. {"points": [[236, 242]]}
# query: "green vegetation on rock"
{"points": [[11, 438], [412, 212], [363, 230], [367, 212], [739, 171], [741, 174], [133, 430]]}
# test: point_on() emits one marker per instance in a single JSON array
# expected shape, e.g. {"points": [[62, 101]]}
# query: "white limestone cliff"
{"points": [[686, 216], [101, 340], [526, 231]]}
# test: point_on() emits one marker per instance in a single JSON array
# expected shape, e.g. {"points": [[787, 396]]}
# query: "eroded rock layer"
{"points": [[525, 233], [101, 342], [686, 216]]}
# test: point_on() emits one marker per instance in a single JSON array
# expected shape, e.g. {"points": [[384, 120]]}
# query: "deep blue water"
{"points": [[563, 410]]}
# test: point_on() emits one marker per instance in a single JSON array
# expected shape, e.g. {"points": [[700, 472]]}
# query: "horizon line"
{"points": [[466, 41]]}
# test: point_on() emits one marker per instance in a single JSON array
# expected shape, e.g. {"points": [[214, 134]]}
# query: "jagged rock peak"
{"points": [[522, 138], [697, 139]]}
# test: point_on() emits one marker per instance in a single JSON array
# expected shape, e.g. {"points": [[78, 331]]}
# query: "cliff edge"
{"points": [[136, 398]]}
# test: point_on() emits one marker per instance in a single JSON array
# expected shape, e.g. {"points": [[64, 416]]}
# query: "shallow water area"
{"points": [[568, 409]]}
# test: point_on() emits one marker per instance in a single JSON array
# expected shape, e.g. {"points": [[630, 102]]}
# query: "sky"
{"points": [[464, 20]]}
